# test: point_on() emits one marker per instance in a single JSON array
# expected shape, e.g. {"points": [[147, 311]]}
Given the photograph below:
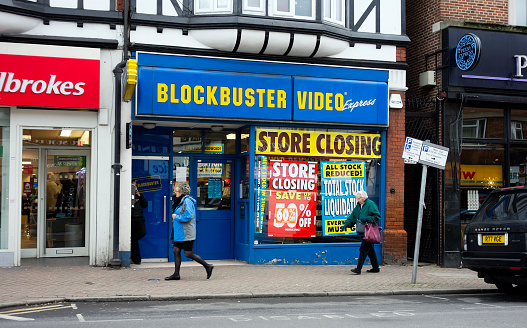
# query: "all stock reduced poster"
{"points": [[340, 181], [292, 198]]}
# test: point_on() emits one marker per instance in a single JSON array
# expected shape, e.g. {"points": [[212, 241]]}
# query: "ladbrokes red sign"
{"points": [[49, 82]]}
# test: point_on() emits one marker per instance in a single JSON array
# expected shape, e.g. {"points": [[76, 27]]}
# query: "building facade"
{"points": [[466, 83], [274, 112]]}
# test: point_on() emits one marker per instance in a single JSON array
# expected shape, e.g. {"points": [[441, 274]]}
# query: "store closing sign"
{"points": [[292, 198], [317, 143]]}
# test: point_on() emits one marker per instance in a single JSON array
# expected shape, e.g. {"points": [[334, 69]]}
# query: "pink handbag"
{"points": [[372, 233]]}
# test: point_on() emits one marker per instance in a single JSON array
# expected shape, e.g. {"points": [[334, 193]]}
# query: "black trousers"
{"points": [[138, 232], [367, 249]]}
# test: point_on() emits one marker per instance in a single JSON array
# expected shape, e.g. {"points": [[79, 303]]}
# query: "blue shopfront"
{"points": [[273, 153]]}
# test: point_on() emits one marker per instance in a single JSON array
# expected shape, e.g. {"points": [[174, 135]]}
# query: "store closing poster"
{"points": [[292, 198], [340, 181]]}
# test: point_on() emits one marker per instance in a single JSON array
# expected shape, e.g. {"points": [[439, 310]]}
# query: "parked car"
{"points": [[495, 241]]}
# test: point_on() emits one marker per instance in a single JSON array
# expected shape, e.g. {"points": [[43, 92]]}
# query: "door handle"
{"points": [[164, 208]]}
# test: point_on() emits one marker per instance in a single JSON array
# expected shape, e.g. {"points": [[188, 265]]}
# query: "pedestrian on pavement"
{"points": [[367, 211], [138, 223], [184, 230]]}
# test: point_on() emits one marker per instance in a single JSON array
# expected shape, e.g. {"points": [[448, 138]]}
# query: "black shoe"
{"points": [[173, 277], [209, 270], [355, 271], [374, 270], [137, 262]]}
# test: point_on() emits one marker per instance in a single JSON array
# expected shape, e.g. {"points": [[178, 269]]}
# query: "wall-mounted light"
{"points": [[149, 126], [65, 133], [216, 128]]}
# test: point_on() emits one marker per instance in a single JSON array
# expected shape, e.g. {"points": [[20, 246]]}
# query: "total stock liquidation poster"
{"points": [[292, 198], [339, 182]]}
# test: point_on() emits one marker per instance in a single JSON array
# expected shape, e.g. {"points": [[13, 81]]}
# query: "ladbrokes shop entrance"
{"points": [[273, 155]]}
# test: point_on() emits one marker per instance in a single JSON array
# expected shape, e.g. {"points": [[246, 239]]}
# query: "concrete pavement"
{"points": [[230, 279]]}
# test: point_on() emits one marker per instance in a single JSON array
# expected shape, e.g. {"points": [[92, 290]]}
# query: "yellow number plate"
{"points": [[493, 239]]}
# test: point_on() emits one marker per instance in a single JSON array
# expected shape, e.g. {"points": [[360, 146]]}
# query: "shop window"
{"points": [[65, 138], [518, 165], [245, 140], [305, 180], [222, 142], [186, 141], [483, 123], [516, 130], [180, 171], [4, 177], [150, 141], [334, 11], [518, 124], [212, 6], [292, 8]]}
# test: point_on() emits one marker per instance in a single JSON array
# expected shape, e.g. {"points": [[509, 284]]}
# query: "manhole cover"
{"points": [[154, 279]]}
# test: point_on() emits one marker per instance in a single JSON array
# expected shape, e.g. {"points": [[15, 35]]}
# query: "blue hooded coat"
{"points": [[184, 220]]}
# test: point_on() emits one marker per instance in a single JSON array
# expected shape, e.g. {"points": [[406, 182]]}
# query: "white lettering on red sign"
{"points": [[8, 83]]}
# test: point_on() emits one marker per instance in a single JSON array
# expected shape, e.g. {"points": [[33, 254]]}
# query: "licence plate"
{"points": [[493, 239]]}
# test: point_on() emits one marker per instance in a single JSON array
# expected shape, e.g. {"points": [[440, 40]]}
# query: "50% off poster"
{"points": [[292, 198]]}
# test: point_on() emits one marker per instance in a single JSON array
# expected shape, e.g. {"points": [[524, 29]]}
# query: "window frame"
{"points": [[333, 12], [214, 8], [273, 10]]}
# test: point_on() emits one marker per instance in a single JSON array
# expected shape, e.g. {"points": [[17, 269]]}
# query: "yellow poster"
{"points": [[280, 142], [481, 175]]}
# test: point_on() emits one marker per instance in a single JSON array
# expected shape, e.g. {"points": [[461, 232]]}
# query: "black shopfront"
{"points": [[484, 123]]}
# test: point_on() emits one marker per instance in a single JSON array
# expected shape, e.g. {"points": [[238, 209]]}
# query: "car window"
{"points": [[504, 207]]}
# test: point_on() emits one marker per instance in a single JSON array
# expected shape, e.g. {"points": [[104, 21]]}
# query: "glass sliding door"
{"points": [[66, 227]]}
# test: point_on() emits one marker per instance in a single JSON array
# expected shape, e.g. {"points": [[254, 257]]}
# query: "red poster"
{"points": [[27, 169], [292, 198]]}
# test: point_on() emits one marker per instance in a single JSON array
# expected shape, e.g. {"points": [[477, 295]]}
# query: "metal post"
{"points": [[419, 223]]}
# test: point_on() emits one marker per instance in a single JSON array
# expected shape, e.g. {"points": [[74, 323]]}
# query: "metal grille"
{"points": [[422, 123]]}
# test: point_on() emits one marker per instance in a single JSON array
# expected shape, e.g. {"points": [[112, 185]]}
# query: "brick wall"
{"points": [[394, 236], [487, 11]]}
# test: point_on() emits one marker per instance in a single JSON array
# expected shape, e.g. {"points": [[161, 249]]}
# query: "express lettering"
{"points": [[8, 83]]}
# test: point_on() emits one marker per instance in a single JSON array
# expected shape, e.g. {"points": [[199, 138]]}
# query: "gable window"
{"points": [[518, 12], [292, 8], [254, 5], [334, 11], [212, 6]]}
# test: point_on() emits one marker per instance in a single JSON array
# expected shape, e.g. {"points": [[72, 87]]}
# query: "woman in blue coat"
{"points": [[184, 230]]}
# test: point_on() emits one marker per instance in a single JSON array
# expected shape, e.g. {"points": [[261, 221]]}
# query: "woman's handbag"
{"points": [[372, 233], [359, 226]]}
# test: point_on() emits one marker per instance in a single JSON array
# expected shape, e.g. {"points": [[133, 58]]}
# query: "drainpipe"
{"points": [[118, 72]]}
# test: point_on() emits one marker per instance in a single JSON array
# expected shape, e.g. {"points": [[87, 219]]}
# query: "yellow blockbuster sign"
{"points": [[317, 143]]}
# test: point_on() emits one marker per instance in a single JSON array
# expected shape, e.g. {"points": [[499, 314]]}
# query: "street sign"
{"points": [[412, 149], [433, 155]]}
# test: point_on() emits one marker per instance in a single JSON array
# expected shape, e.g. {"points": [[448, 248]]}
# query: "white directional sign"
{"points": [[412, 150], [433, 155]]}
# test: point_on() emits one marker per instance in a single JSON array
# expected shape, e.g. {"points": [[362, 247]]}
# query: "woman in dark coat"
{"points": [[138, 225], [366, 211]]}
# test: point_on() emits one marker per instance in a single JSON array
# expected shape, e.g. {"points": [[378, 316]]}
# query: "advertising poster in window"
{"points": [[340, 181], [261, 189], [292, 198]]}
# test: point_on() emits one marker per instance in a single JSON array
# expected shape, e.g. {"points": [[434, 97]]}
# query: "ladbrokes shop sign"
{"points": [[260, 91]]}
